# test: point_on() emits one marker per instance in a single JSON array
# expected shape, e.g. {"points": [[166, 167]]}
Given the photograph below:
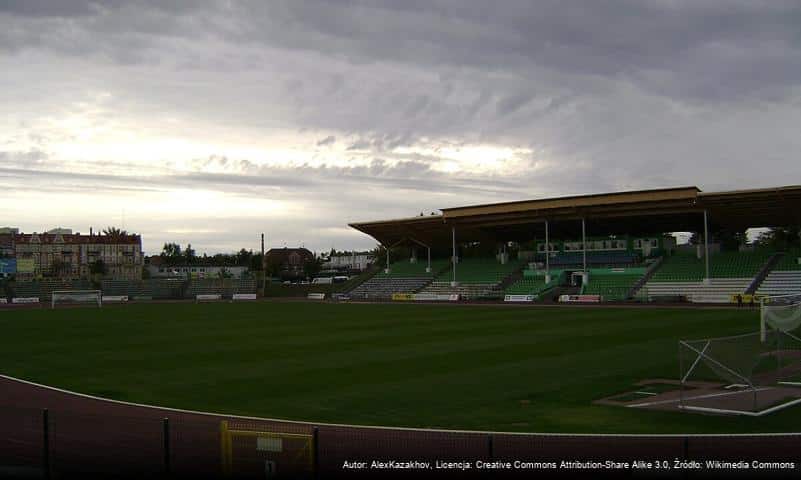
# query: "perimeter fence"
{"points": [[112, 441]]}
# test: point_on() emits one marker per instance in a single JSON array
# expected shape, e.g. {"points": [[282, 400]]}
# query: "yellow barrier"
{"points": [[746, 297], [403, 297], [302, 455]]}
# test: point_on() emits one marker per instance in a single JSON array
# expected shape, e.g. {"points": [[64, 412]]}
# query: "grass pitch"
{"points": [[478, 367]]}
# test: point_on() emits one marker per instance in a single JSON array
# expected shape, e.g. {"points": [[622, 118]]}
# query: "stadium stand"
{"points": [[44, 288], [784, 278], [682, 275], [403, 277], [132, 288], [477, 278], [534, 283], [27, 289], [213, 286], [243, 285], [527, 286], [687, 268], [596, 259], [611, 287]]}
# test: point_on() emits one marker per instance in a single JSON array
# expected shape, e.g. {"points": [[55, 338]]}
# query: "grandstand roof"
{"points": [[638, 212]]}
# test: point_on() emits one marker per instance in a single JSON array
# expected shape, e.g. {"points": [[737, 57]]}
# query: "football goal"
{"points": [[74, 297], [780, 312], [751, 374]]}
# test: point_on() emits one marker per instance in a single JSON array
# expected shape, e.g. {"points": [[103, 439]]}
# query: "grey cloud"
{"points": [[47, 8], [23, 159], [609, 95], [674, 48], [359, 145], [329, 140], [508, 105]]}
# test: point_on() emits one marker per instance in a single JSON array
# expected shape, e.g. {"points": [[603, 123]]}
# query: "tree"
{"points": [[243, 258], [380, 256], [98, 267], [730, 240], [171, 250], [189, 253], [114, 232], [255, 263], [779, 238], [312, 267]]}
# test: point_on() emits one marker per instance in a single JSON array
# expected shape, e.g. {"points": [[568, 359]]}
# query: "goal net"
{"points": [[781, 312], [750, 374], [76, 297]]}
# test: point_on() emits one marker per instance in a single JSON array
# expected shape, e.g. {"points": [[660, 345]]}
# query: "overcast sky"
{"points": [[210, 122]]}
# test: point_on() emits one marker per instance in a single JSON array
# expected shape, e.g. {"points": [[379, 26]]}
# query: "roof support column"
{"points": [[386, 270], [547, 254], [428, 268], [706, 245], [584, 250], [454, 283]]}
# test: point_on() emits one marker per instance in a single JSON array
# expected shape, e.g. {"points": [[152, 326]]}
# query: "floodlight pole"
{"points": [[547, 255], [706, 245], [453, 258]]}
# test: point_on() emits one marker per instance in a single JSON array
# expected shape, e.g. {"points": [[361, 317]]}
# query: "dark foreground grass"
{"points": [[400, 365]]}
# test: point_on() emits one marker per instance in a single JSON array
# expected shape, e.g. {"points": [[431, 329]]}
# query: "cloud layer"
{"points": [[211, 122]]}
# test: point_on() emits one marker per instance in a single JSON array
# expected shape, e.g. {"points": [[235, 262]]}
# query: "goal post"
{"points": [[779, 312], [76, 297]]}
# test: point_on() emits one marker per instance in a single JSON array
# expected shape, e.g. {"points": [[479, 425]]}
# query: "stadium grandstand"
{"points": [[602, 247]]}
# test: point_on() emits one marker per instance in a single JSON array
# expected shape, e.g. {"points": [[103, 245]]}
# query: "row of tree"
{"points": [[173, 255]]}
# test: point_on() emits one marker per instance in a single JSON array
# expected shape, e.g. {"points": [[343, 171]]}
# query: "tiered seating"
{"points": [[204, 287], [405, 269], [612, 287], [161, 288], [479, 270], [784, 278], [476, 278], [115, 287], [48, 286], [789, 262], [27, 289], [682, 275], [404, 277], [684, 268], [383, 287], [527, 286], [718, 290], [467, 291], [679, 268], [243, 285], [738, 264], [611, 258], [132, 288]]}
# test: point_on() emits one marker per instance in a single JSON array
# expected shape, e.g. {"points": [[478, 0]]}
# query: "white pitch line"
{"points": [[409, 429], [709, 395]]}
